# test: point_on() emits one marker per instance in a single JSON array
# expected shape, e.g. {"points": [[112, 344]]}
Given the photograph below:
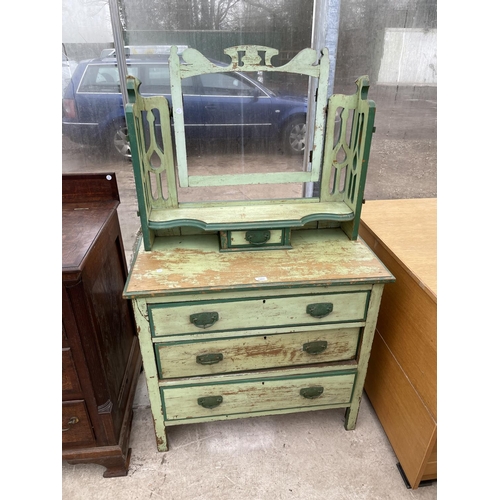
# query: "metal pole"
{"points": [[325, 31], [119, 48]]}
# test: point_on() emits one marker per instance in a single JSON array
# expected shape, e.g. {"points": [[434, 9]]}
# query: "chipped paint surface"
{"points": [[259, 396], [257, 312], [194, 263], [256, 352]]}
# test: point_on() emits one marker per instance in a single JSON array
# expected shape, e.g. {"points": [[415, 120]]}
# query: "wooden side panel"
{"points": [[71, 388], [430, 471], [408, 324], [256, 396], [257, 352], [402, 375], [407, 422]]}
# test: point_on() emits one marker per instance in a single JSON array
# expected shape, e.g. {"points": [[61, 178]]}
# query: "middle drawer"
{"points": [[244, 314], [225, 355]]}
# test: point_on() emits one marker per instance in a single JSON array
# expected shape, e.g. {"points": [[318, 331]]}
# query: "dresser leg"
{"points": [[161, 439], [351, 414], [150, 372], [351, 417]]}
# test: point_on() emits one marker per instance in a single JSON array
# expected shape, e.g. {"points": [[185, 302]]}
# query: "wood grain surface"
{"points": [[193, 263], [402, 376], [408, 230]]}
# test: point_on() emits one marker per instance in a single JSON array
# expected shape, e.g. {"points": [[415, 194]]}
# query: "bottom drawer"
{"points": [[257, 395], [76, 427]]}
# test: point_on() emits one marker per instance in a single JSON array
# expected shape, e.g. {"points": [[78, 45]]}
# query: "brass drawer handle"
{"points": [[315, 347], [319, 310], [209, 359], [258, 237], [210, 401], [312, 392], [71, 421], [205, 319]]}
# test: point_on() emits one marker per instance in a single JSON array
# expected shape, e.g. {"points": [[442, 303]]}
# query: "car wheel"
{"points": [[295, 136], [118, 142]]}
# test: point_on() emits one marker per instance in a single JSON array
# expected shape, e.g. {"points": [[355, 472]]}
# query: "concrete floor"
{"points": [[297, 456]]}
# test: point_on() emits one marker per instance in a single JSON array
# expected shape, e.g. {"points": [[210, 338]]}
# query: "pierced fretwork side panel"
{"points": [[148, 122], [347, 147], [248, 58]]}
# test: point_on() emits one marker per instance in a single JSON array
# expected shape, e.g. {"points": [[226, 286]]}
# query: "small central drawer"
{"points": [[265, 312], [258, 395], [255, 239], [187, 359]]}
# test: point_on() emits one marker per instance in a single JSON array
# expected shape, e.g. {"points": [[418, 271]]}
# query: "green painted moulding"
{"points": [[207, 226]]}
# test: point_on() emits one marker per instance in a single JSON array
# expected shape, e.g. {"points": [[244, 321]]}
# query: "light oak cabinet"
{"points": [[402, 377]]}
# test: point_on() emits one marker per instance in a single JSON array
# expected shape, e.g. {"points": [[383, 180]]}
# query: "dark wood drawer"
{"points": [[76, 426]]}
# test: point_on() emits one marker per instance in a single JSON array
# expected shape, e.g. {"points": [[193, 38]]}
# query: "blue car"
{"points": [[223, 106]]}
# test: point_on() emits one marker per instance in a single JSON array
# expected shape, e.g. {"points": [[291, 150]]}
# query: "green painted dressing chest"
{"points": [[248, 308]]}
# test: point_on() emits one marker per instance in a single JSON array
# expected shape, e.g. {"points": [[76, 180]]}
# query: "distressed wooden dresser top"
{"points": [[194, 263]]}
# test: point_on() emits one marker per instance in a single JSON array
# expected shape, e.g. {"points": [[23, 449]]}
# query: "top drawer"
{"points": [[264, 312]]}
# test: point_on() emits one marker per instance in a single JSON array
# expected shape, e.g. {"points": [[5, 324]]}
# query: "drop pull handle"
{"points": [[257, 237], [320, 309], [204, 319], [210, 402], [209, 359], [71, 421], [312, 392], [315, 347]]}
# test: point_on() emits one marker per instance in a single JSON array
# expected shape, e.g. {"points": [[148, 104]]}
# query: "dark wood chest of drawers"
{"points": [[100, 352]]}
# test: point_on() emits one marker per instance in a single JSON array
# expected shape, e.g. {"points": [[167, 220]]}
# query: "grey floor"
{"points": [[296, 456]]}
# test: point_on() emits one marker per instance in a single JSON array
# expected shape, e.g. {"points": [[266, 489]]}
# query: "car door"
{"points": [[234, 107], [98, 98]]}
